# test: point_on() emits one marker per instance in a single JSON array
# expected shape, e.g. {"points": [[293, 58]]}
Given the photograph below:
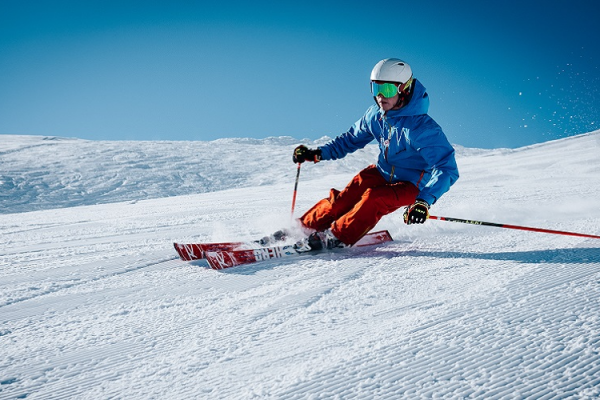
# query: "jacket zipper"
{"points": [[387, 147]]}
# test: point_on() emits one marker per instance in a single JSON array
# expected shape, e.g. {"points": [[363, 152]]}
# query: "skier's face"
{"points": [[386, 103], [386, 94]]}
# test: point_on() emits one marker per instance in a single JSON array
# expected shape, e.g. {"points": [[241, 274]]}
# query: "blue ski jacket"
{"points": [[413, 147]]}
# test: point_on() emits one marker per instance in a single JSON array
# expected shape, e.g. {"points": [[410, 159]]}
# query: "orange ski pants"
{"points": [[356, 210]]}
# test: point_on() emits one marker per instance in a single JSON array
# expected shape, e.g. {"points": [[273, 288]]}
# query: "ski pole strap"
{"points": [[506, 226], [295, 189]]}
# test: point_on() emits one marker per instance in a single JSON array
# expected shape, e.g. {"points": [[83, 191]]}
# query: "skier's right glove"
{"points": [[303, 153], [416, 213]]}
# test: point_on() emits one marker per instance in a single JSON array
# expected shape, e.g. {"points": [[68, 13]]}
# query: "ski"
{"points": [[196, 251], [232, 258]]}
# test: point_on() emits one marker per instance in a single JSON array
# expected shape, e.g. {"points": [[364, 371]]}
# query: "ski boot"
{"points": [[279, 236], [319, 241]]}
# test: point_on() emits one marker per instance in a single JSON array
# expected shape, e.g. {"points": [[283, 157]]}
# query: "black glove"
{"points": [[416, 213], [303, 153]]}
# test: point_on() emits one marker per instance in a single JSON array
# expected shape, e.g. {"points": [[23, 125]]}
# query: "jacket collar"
{"points": [[418, 104]]}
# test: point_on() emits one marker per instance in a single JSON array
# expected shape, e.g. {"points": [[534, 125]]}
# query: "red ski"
{"points": [[232, 258], [195, 251]]}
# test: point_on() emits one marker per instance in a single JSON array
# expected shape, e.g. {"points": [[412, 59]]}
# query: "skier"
{"points": [[416, 164]]}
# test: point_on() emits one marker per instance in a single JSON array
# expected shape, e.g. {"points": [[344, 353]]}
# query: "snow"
{"points": [[95, 304]]}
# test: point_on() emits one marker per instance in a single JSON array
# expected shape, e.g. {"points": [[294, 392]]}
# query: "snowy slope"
{"points": [[94, 303], [48, 172]]}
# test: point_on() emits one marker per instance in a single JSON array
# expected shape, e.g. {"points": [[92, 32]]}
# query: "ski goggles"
{"points": [[385, 89]]}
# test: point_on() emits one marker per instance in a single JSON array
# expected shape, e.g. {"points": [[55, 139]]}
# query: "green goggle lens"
{"points": [[385, 89]]}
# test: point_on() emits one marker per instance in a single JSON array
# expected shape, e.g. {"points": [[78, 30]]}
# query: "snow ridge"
{"points": [[42, 173]]}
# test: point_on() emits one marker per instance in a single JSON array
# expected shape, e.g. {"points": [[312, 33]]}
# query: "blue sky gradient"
{"points": [[502, 74]]}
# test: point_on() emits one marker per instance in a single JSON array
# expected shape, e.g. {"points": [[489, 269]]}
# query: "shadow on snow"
{"points": [[583, 255]]}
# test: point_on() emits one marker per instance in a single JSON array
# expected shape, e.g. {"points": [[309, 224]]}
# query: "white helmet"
{"points": [[391, 70]]}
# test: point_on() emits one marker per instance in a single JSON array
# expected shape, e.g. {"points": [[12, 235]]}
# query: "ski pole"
{"points": [[523, 228], [295, 189]]}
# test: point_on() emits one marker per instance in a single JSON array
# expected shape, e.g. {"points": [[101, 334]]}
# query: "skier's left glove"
{"points": [[303, 153], [416, 213]]}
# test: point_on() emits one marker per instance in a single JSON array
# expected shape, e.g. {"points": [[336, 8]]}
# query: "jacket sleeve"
{"points": [[438, 153], [357, 137]]}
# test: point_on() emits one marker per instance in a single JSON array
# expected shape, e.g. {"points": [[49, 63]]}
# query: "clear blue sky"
{"points": [[499, 74]]}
